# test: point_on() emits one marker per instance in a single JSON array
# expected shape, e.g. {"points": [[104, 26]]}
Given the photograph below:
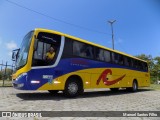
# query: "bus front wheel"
{"points": [[72, 88]]}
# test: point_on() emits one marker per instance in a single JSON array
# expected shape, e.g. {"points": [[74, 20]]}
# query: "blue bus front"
{"points": [[33, 70]]}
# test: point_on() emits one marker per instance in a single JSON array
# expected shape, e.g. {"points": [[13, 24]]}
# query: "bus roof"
{"points": [[85, 41]]}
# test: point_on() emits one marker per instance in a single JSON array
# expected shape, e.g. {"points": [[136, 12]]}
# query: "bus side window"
{"points": [[46, 49], [107, 56], [126, 61], [129, 61], [82, 49], [121, 59], [101, 55], [136, 63], [141, 65], [76, 48], [115, 58], [97, 50], [89, 51], [38, 54], [132, 62], [146, 66], [79, 49], [68, 48]]}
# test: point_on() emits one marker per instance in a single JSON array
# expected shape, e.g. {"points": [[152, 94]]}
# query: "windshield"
{"points": [[24, 49]]}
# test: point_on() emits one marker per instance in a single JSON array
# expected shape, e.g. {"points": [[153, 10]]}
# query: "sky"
{"points": [[136, 30]]}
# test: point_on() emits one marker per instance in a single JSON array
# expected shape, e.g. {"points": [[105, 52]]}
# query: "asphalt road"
{"points": [[101, 100]]}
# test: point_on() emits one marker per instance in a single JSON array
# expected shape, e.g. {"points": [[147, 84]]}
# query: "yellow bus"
{"points": [[74, 65]]}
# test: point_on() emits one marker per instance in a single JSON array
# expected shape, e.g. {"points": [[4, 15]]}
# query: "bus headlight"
{"points": [[20, 85], [21, 75]]}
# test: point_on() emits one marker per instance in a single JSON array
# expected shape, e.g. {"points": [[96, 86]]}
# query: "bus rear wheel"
{"points": [[72, 88], [134, 87]]}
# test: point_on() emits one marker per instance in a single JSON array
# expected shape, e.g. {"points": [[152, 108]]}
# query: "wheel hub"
{"points": [[72, 88]]}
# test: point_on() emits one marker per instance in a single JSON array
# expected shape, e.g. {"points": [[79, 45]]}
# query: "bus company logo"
{"points": [[82, 63], [103, 77]]}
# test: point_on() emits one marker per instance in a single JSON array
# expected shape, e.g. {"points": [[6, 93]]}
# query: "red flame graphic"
{"points": [[105, 80]]}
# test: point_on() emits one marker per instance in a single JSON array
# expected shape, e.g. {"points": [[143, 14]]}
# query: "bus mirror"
{"points": [[35, 44], [15, 54]]}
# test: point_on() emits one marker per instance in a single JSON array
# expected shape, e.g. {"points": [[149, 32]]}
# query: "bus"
{"points": [[77, 65]]}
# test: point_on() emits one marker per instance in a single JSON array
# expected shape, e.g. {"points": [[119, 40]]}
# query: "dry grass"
{"points": [[6, 83]]}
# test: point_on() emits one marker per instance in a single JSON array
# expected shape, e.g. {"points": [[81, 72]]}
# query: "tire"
{"points": [[73, 88], [53, 91], [134, 87], [114, 89]]}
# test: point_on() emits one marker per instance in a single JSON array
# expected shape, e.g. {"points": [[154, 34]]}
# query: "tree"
{"points": [[0, 75], [156, 68], [6, 74]]}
